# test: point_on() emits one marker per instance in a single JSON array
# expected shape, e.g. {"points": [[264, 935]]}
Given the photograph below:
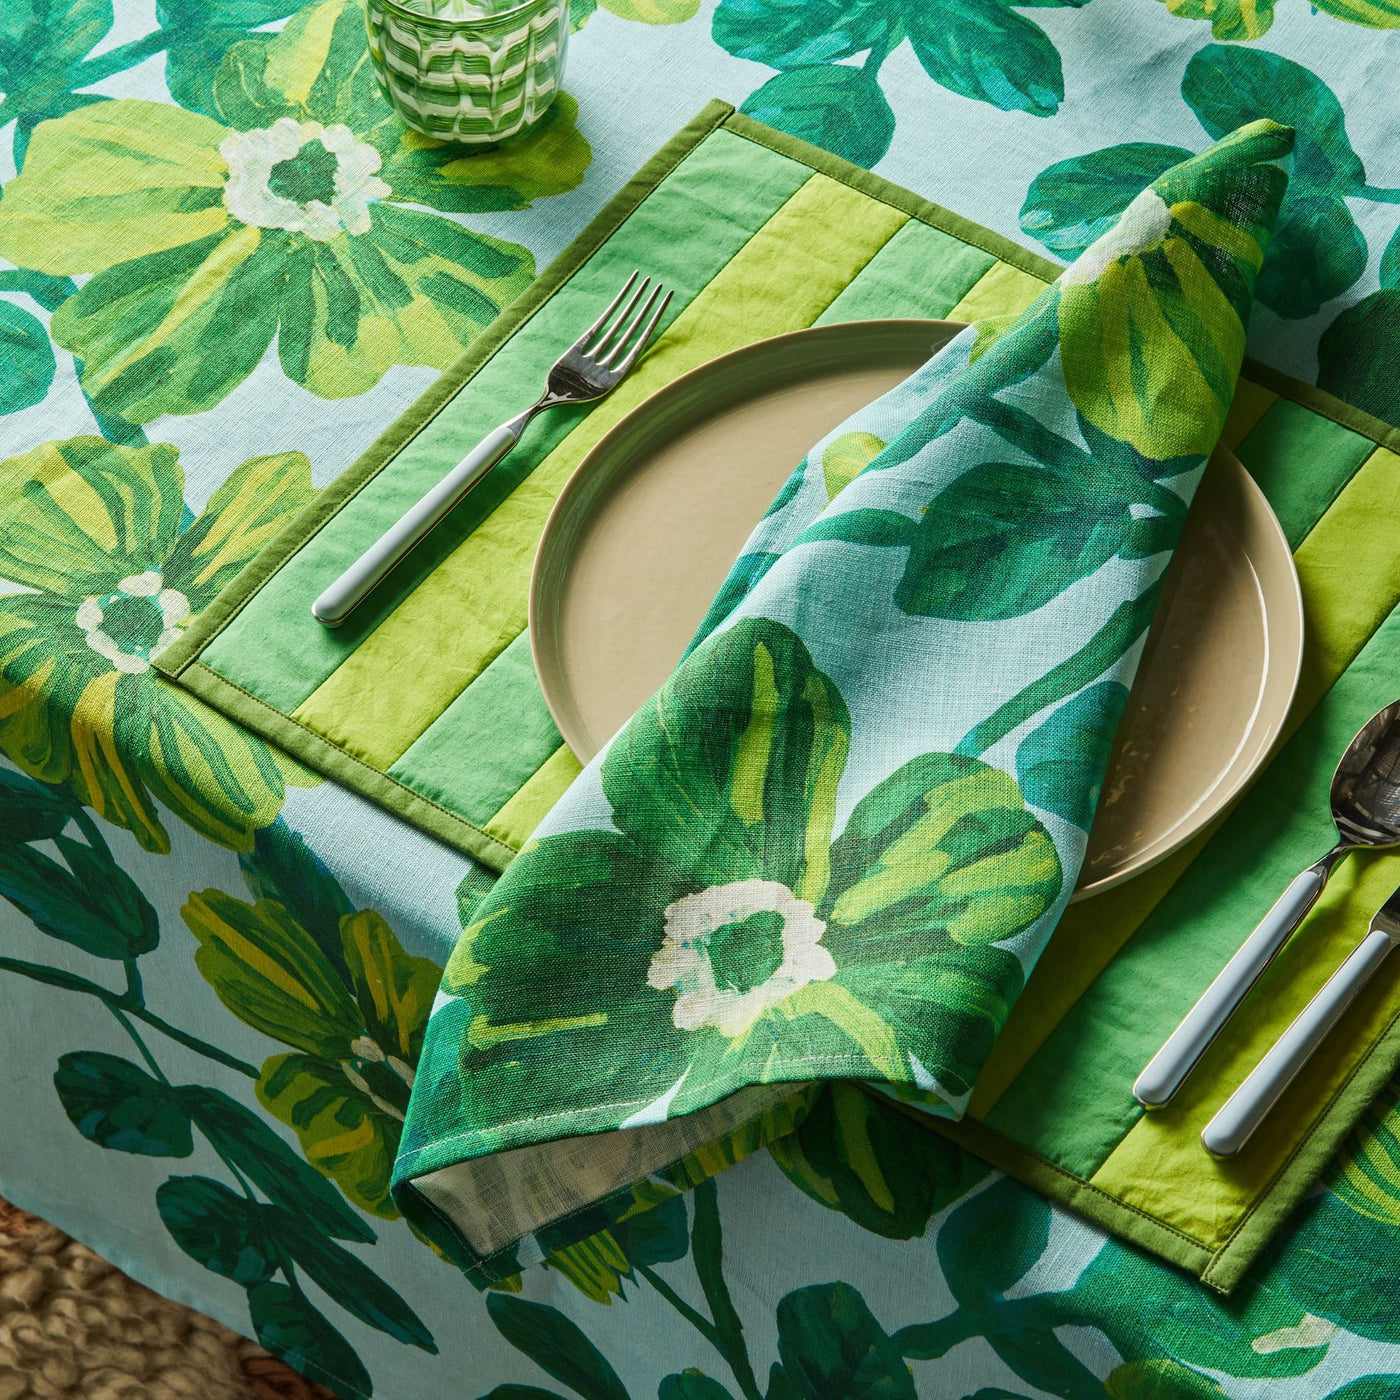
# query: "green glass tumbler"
{"points": [[474, 71]]}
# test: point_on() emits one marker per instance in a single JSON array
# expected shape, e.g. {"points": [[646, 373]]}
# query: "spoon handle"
{"points": [[1248, 1106], [1168, 1068]]}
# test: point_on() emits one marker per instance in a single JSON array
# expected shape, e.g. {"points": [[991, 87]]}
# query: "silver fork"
{"points": [[594, 365]]}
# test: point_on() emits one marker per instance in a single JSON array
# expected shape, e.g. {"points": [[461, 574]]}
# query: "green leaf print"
{"points": [[556, 1346], [653, 11], [1317, 250], [1046, 527], [787, 35], [223, 1232], [1358, 351], [984, 50], [31, 811], [1073, 202], [348, 1281], [691, 1385], [241, 1138], [1160, 1380], [1236, 20], [199, 33], [832, 1348], [980, 1253], [1060, 764], [88, 901], [287, 1325], [1374, 14], [839, 108], [857, 1153], [845, 458], [116, 1104], [719, 908], [26, 359]]}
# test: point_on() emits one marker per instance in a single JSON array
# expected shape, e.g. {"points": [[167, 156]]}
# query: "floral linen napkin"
{"points": [[836, 840]]}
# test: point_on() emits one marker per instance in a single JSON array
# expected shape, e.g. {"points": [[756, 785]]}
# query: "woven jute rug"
{"points": [[72, 1327]]}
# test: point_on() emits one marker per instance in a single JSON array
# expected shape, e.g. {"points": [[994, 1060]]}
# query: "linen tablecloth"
{"points": [[228, 273]]}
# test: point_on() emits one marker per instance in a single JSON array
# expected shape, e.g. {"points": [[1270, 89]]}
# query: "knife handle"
{"points": [[412, 527], [1168, 1068], [1248, 1106]]}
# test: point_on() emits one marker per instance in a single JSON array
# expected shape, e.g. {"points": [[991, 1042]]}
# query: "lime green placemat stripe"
{"points": [[1072, 1102], [1301, 460], [1002, 290], [785, 276], [921, 271], [724, 191], [493, 737], [526, 810]]}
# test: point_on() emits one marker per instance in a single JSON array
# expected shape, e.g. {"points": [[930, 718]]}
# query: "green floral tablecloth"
{"points": [[227, 269]]}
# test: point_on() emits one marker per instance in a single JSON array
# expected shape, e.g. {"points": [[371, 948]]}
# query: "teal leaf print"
{"points": [[281, 867], [556, 1346], [1071, 203], [857, 1153], [1060, 764], [1317, 251], [1047, 528], [285, 1322], [31, 811], [199, 33], [87, 901], [984, 50], [787, 35], [242, 1138], [117, 1105], [26, 359], [1358, 352], [980, 1251], [831, 1345], [347, 1281], [841, 109], [1158, 1380], [1390, 262], [220, 1230], [691, 1385]]}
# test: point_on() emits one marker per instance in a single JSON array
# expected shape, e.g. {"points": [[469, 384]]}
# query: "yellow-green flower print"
{"points": [[333, 983], [295, 212], [109, 566]]}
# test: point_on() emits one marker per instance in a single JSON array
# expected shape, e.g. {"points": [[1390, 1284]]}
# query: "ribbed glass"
{"points": [[475, 71]]}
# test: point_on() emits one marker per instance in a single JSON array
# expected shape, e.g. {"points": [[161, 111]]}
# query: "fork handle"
{"points": [[414, 526], [1248, 1106], [1168, 1068]]}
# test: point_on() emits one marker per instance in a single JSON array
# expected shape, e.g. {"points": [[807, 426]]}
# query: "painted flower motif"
{"points": [[300, 964], [108, 566], [733, 951], [718, 932], [295, 209], [277, 178]]}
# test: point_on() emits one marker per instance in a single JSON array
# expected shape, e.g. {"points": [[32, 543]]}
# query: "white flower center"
{"points": [[1143, 225], [733, 951], [129, 626], [303, 177]]}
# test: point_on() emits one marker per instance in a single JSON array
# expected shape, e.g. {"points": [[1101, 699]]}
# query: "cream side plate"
{"points": [[646, 529]]}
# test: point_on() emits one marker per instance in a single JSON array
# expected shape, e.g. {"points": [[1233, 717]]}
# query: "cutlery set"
{"points": [[1365, 794], [1365, 800]]}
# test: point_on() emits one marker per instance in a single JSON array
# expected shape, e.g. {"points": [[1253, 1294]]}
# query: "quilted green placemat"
{"points": [[762, 234]]}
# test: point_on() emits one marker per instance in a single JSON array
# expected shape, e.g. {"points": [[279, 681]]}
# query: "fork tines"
{"points": [[606, 342]]}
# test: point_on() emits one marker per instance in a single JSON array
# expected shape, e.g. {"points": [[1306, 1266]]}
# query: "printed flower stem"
{"points": [[121, 1001], [1128, 622], [725, 1333], [1379, 194]]}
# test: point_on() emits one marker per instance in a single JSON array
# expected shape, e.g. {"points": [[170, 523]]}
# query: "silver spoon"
{"points": [[1366, 812]]}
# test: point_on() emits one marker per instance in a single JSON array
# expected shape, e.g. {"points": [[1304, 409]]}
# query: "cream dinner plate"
{"points": [[646, 529]]}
